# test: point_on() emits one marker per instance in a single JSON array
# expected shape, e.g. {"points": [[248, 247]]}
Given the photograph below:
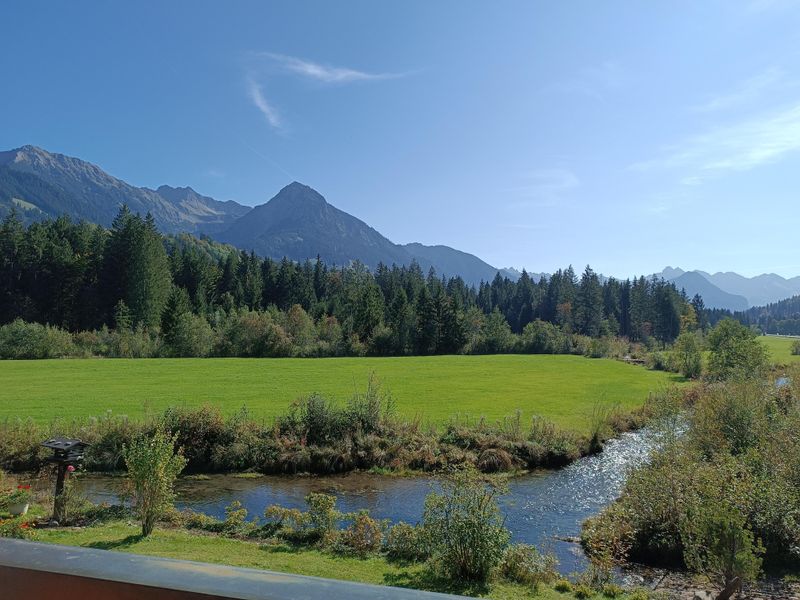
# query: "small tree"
{"points": [[718, 544], [796, 347], [688, 358], [465, 529], [153, 465], [735, 352]]}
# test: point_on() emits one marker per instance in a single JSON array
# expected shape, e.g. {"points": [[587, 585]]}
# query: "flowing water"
{"points": [[542, 508]]}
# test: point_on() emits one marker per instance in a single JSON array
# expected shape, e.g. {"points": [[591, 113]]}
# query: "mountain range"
{"points": [[297, 223], [731, 290]]}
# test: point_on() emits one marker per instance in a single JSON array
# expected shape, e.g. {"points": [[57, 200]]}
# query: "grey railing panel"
{"points": [[21, 562]]}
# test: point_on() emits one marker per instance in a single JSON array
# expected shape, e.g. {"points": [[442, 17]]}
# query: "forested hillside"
{"points": [[82, 277], [782, 317]]}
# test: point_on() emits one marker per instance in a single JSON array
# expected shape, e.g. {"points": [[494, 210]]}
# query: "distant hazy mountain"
{"points": [[42, 184], [694, 283], [757, 291], [451, 262]]}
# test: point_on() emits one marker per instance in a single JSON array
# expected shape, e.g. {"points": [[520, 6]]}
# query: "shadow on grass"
{"points": [[429, 581], [113, 544]]}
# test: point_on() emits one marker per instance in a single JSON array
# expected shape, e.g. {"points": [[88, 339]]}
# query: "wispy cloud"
{"points": [[748, 91], [595, 81], [324, 73], [215, 173], [269, 66], [256, 94], [544, 188], [738, 147]]}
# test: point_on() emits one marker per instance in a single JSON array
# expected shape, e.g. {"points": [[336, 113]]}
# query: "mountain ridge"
{"points": [[759, 290], [297, 222]]}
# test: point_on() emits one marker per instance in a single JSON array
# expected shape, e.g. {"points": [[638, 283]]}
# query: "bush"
{"points": [[197, 430], [19, 339], [612, 590], [719, 545], [153, 465], [364, 535], [796, 347], [407, 542], [322, 514], [524, 564], [687, 356], [191, 336], [583, 591], [16, 528], [235, 517], [563, 586], [465, 529], [735, 352]]}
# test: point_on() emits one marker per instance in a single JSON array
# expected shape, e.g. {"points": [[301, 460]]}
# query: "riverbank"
{"points": [[178, 543]]}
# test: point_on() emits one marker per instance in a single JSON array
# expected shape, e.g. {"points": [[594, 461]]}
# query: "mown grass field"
{"points": [[174, 543], [780, 348], [564, 389]]}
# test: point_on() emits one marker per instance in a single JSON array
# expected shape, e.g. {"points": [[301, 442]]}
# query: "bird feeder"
{"points": [[66, 453]]}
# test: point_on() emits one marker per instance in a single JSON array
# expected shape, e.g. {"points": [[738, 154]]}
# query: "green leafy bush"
{"points": [[465, 529], [563, 586], [407, 542], [19, 339], [153, 465], [363, 535], [526, 565]]}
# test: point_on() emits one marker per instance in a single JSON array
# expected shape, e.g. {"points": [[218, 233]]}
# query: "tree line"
{"points": [[81, 277], [781, 318]]}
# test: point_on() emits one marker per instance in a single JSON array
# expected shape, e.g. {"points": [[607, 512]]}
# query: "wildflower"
{"points": [[70, 469]]}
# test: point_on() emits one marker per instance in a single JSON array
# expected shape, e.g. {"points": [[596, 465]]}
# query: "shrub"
{"points": [[407, 542], [687, 356], [364, 535], [197, 430], [583, 591], [322, 514], [719, 545], [16, 528], [235, 517], [465, 528], [563, 586], [493, 460], [153, 465], [191, 336], [796, 347], [735, 352], [612, 590], [524, 564], [19, 339]]}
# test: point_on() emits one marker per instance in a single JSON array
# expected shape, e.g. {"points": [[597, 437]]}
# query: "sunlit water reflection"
{"points": [[541, 508]]}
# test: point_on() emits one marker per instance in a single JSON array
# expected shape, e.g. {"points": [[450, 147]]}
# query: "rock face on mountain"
{"points": [[42, 184]]}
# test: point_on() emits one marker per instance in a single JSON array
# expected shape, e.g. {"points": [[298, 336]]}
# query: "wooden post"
{"points": [[59, 502]]}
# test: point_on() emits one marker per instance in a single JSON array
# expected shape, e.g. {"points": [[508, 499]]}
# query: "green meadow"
{"points": [[780, 348], [564, 389]]}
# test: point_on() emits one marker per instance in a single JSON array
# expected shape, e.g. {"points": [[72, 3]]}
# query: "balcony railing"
{"points": [[30, 570]]}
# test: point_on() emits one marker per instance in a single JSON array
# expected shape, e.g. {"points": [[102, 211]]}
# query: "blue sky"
{"points": [[628, 135]]}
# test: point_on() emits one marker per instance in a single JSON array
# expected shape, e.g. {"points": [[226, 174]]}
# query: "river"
{"points": [[540, 508]]}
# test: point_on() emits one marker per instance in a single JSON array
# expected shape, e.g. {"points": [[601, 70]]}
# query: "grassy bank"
{"points": [[563, 389], [177, 543]]}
